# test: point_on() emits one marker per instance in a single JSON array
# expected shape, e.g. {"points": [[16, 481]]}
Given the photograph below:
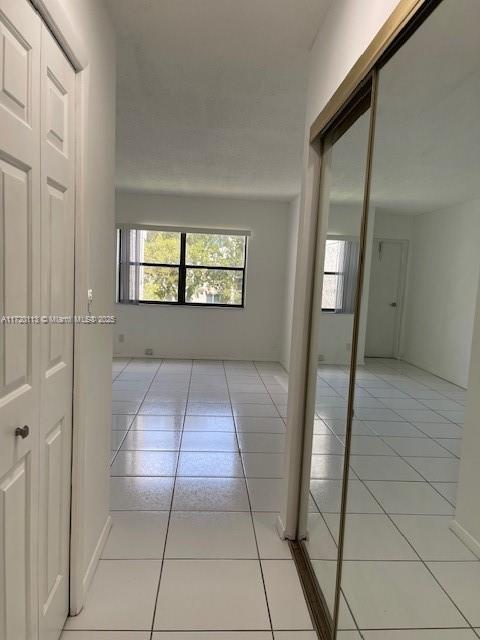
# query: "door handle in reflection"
{"points": [[22, 432], [393, 304]]}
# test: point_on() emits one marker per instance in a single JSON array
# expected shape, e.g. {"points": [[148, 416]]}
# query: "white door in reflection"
{"points": [[385, 301]]}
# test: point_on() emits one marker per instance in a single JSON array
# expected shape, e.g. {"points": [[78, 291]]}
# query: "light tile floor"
{"points": [[197, 451], [196, 470], [406, 576]]}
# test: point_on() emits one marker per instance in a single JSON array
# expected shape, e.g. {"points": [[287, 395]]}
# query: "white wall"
{"points": [[392, 226], [291, 261], [440, 307], [442, 279], [254, 332], [467, 515], [335, 334], [346, 32], [95, 225]]}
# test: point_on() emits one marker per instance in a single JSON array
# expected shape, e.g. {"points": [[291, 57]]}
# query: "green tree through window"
{"points": [[209, 250], [191, 268], [160, 283]]}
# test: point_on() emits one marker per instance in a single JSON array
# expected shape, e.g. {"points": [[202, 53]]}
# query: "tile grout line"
{"points": [[429, 437], [139, 407], [451, 456], [346, 601], [152, 631], [285, 423], [320, 513], [423, 562], [250, 507]]}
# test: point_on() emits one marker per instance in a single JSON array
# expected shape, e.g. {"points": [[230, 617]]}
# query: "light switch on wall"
{"points": [[89, 299]]}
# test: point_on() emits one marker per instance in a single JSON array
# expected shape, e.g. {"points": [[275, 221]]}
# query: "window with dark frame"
{"points": [[340, 275], [158, 266]]}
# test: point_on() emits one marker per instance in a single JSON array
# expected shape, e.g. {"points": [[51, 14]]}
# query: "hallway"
{"points": [[215, 214], [194, 498]]}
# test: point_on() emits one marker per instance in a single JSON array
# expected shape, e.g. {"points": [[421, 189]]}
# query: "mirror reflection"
{"points": [[347, 166], [417, 319]]}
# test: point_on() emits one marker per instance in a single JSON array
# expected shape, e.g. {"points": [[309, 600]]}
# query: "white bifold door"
{"points": [[37, 184]]}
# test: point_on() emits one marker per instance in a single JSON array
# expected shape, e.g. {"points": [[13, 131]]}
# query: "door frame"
{"points": [[54, 15], [401, 294]]}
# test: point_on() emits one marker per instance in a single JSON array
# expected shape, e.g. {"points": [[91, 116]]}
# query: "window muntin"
{"points": [[164, 267]]}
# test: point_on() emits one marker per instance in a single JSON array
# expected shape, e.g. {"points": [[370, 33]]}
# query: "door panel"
{"points": [[17, 52], [54, 456], [16, 229], [19, 296], [344, 161], [384, 300], [36, 279], [55, 275], [57, 237], [14, 526]]}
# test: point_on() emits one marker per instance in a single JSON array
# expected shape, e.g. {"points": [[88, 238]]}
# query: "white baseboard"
{"points": [[92, 565], [468, 540], [281, 528], [198, 356]]}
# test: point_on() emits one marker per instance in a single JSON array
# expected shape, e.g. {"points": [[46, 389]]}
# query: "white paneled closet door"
{"points": [[57, 170], [36, 278], [20, 29]]}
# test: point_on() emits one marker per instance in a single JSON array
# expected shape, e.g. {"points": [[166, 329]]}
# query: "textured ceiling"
{"points": [[211, 94]]}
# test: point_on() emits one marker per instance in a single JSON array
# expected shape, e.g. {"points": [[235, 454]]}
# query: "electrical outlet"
{"points": [[149, 351], [349, 346], [121, 337], [321, 357]]}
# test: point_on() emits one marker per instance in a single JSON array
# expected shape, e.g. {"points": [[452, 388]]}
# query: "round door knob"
{"points": [[22, 432], [393, 304]]}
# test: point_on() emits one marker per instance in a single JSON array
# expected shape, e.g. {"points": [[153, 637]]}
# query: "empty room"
{"points": [[240, 326]]}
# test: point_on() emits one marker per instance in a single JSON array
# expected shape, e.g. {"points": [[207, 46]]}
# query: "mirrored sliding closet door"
{"points": [[336, 283], [393, 314]]}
